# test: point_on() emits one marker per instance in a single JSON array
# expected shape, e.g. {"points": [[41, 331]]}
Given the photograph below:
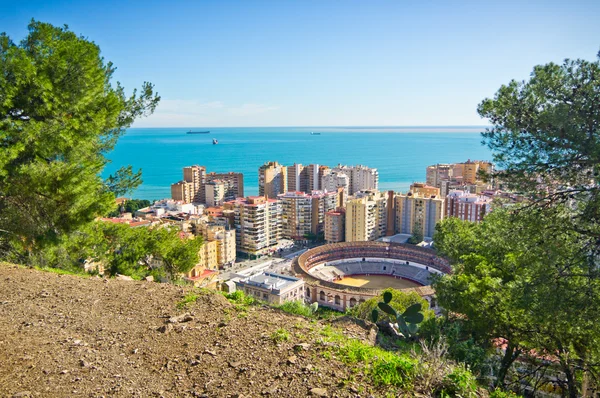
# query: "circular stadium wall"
{"points": [[326, 268]]}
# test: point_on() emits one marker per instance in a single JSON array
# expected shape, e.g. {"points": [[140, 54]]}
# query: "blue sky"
{"points": [[310, 63]]}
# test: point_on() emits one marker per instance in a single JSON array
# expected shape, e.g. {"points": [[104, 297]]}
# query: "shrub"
{"points": [[280, 335], [239, 297], [497, 393], [459, 383], [297, 308]]}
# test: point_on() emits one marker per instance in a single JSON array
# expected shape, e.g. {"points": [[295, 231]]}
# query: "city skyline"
{"points": [[319, 63]]}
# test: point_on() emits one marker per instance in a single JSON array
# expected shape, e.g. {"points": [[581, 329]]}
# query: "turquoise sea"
{"points": [[399, 153]]}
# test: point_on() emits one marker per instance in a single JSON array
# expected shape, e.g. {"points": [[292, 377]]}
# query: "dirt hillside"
{"points": [[66, 336]]}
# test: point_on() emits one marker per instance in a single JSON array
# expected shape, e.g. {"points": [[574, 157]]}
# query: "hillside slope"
{"points": [[63, 335]]}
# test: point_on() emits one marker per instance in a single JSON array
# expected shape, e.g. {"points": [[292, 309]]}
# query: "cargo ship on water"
{"points": [[197, 132]]}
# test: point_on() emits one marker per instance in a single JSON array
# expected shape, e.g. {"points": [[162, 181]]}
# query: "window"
{"points": [[322, 296], [337, 300]]}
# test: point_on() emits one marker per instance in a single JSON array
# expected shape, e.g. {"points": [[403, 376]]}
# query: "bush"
{"points": [[503, 394], [459, 383], [239, 297], [400, 302], [297, 308]]}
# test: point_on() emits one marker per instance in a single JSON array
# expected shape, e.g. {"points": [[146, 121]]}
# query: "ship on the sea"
{"points": [[197, 132], [215, 142], [313, 133]]}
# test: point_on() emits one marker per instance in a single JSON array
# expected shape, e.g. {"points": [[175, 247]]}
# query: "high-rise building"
{"points": [[193, 186], [233, 183], [296, 214], [258, 224], [366, 216], [335, 223], [295, 178], [182, 191], [360, 177], [272, 179], [312, 177], [304, 214], [467, 206], [333, 180], [225, 239], [418, 213], [215, 192], [438, 173]]}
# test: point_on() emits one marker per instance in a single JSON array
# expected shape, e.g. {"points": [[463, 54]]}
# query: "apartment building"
{"points": [[296, 214], [467, 206], [272, 179], [366, 216], [416, 212], [360, 177], [192, 189], [437, 173], [304, 214], [295, 178], [233, 184], [258, 224], [215, 193], [335, 224], [334, 180], [424, 189]]}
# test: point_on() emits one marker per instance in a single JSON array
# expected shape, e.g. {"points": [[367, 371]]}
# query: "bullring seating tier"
{"points": [[324, 273]]}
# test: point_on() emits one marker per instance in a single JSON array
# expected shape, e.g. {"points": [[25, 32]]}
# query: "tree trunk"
{"points": [[512, 352], [571, 383]]}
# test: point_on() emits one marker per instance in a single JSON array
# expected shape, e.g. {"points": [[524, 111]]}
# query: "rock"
{"points": [[149, 278], [22, 394], [302, 347], [123, 278], [165, 328], [83, 363], [181, 318], [318, 392], [292, 360], [64, 372], [212, 353], [235, 364]]}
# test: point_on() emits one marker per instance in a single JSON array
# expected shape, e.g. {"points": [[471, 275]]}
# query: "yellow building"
{"points": [[366, 216], [424, 189], [272, 179], [416, 212], [225, 240]]}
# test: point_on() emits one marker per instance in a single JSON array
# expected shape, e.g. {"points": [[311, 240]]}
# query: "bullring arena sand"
{"points": [[376, 282]]}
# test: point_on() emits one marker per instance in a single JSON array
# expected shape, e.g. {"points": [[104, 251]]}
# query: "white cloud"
{"points": [[189, 113]]}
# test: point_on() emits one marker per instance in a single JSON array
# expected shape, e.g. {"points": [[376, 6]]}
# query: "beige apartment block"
{"points": [[215, 193], [258, 224], [225, 239], [296, 214], [295, 178], [233, 184], [360, 177], [416, 212], [272, 179], [193, 186], [335, 223], [182, 191], [208, 256], [424, 189], [366, 216], [438, 173]]}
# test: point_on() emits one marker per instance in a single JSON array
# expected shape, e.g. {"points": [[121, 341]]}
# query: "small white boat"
{"points": [[215, 142]]}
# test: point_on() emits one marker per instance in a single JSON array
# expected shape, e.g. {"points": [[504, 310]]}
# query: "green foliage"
{"points": [[123, 250], [239, 297], [130, 206], [497, 393], [459, 383], [298, 308], [190, 297], [59, 116], [280, 335], [519, 278], [400, 301]]}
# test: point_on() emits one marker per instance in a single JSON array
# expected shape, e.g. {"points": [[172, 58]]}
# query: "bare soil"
{"points": [[67, 336]]}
